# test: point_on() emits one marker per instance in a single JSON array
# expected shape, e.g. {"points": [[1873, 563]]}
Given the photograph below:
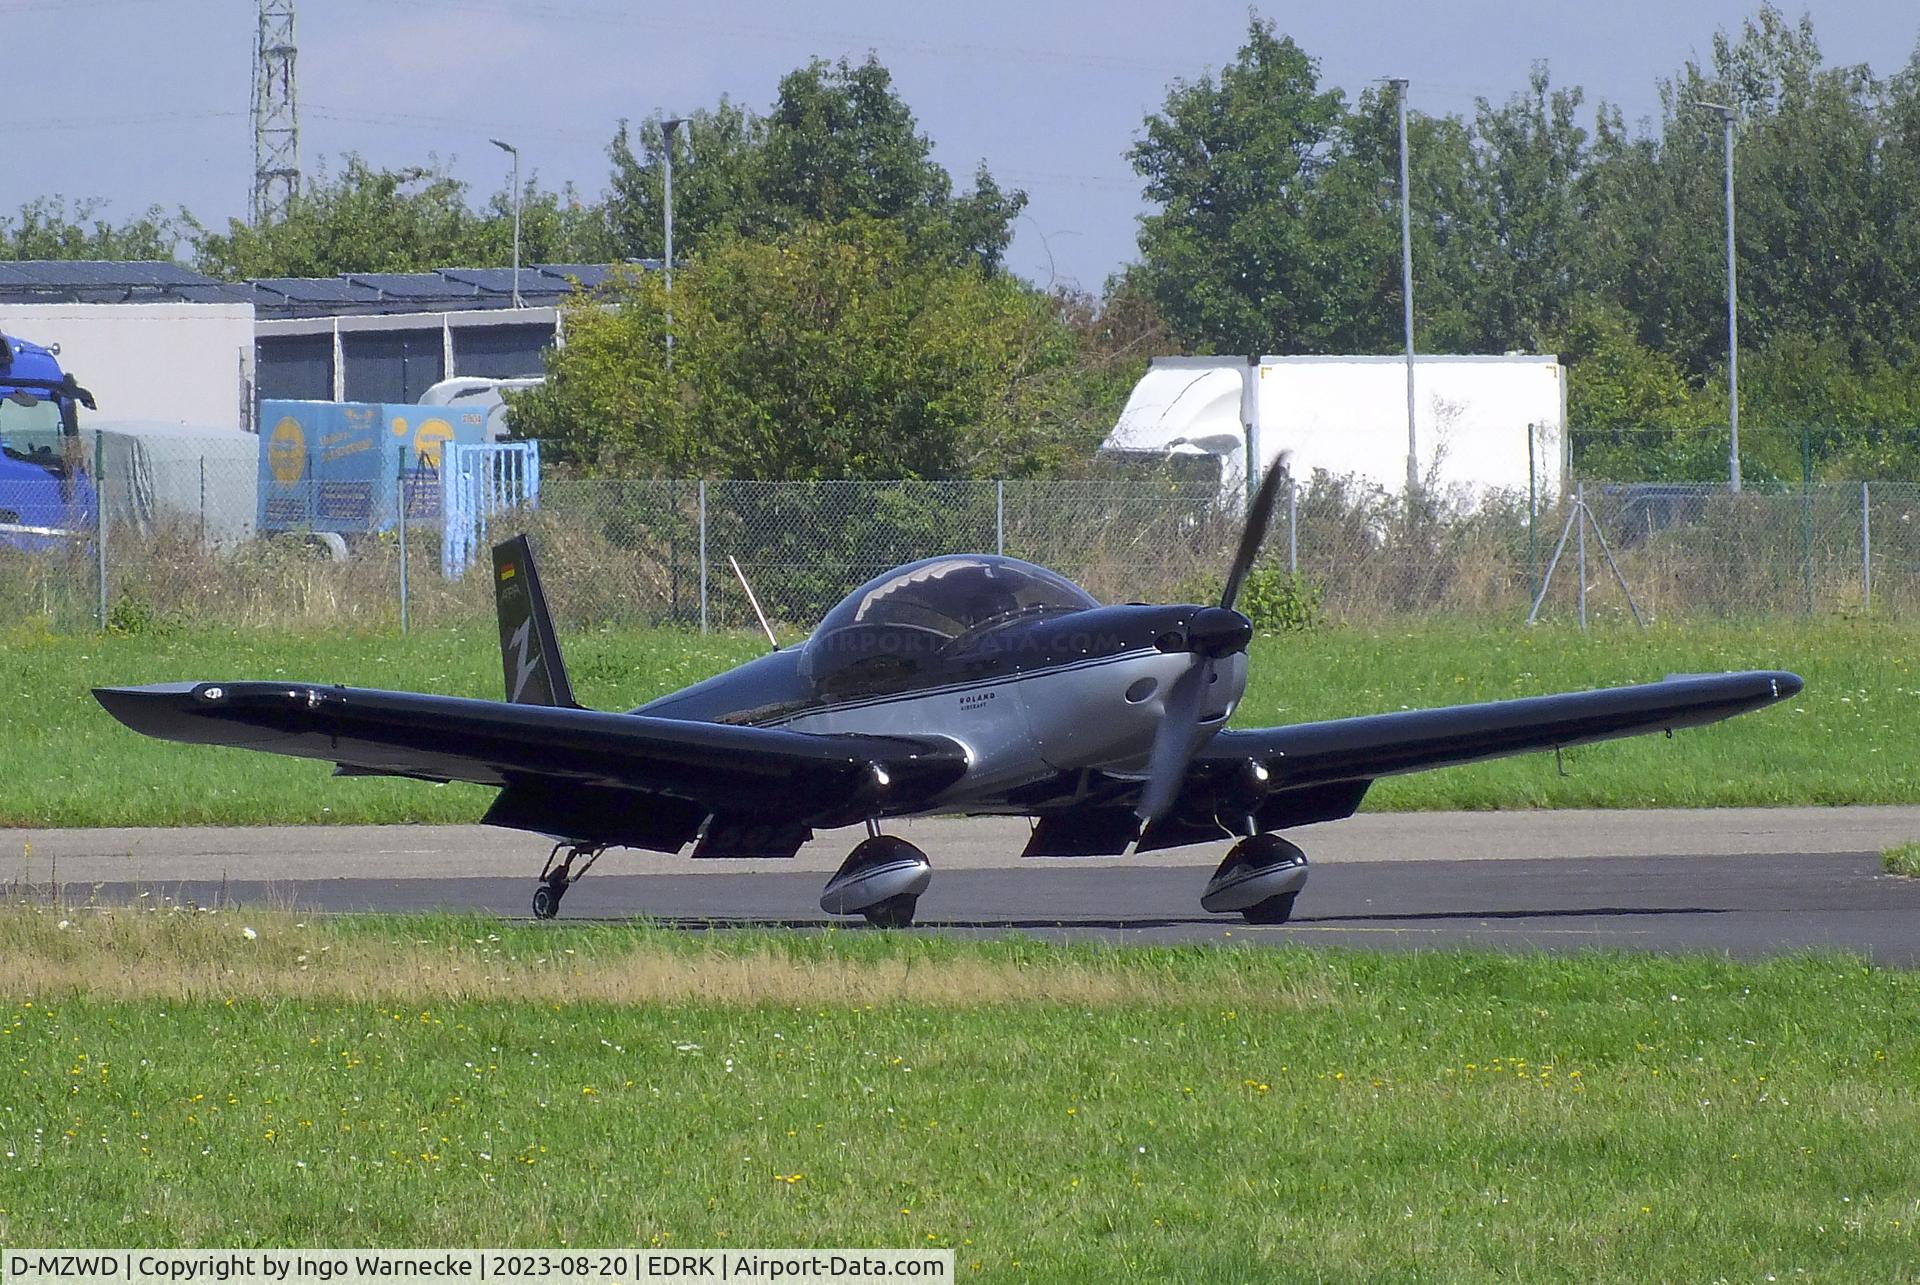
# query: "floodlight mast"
{"points": [[1400, 84], [1726, 112], [667, 127], [513, 151]]}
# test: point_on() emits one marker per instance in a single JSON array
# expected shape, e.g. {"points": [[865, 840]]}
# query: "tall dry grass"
{"points": [[629, 554], [54, 951]]}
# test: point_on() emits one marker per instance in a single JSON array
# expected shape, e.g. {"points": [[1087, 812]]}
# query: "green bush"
{"points": [[1279, 601], [131, 618]]}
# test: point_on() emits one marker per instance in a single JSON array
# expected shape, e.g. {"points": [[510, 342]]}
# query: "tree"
{"points": [[1822, 177], [406, 220], [1630, 411], [715, 181], [45, 228], [1247, 236], [1279, 229], [829, 352], [1530, 172], [839, 142]]}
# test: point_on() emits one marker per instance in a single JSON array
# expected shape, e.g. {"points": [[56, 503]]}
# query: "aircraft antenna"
{"points": [[755, 601]]}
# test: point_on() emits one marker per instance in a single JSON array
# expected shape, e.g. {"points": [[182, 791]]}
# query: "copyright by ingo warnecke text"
{"points": [[502, 1266]]}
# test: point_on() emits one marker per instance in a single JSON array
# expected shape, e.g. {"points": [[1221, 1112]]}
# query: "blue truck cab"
{"points": [[46, 494]]}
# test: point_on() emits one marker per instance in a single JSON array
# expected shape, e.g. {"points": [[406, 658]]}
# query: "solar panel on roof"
{"points": [[413, 285], [497, 280], [96, 274], [589, 275], [211, 294], [317, 289]]}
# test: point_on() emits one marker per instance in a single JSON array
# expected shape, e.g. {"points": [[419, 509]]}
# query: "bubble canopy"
{"points": [[889, 631]]}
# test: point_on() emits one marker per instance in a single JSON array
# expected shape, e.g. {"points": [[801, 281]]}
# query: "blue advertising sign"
{"points": [[336, 466]]}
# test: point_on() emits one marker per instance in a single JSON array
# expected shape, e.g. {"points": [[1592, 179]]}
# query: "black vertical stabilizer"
{"points": [[529, 652]]}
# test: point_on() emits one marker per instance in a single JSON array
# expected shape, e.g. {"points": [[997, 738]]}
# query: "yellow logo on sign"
{"points": [[427, 439], [287, 452]]}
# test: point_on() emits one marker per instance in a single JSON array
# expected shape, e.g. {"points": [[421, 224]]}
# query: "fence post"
{"points": [[1580, 517], [1866, 548], [1000, 517], [1533, 508], [1293, 524], [100, 522], [203, 501], [703, 555], [400, 503], [1806, 513]]}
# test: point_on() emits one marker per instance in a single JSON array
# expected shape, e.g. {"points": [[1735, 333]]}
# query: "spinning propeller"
{"points": [[1212, 633]]}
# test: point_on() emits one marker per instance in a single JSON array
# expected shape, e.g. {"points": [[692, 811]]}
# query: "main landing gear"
{"points": [[1260, 877], [881, 879], [557, 876]]}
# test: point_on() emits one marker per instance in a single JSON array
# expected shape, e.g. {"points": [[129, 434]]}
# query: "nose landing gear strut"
{"points": [[559, 875]]}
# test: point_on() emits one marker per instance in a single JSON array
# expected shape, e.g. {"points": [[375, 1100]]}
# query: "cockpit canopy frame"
{"points": [[895, 631]]}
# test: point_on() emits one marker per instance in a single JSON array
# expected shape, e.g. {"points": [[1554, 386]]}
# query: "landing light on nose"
{"points": [[1213, 631]]}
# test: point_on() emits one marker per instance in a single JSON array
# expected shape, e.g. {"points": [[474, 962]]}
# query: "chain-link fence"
{"points": [[182, 540]]}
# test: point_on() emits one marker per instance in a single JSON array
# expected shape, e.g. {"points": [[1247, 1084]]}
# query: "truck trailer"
{"points": [[1480, 423]]}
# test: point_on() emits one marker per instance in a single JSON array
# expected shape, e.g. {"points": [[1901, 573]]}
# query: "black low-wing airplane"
{"points": [[964, 684]]}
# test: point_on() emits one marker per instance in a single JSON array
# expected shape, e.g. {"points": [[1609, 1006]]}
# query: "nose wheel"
{"points": [[559, 874], [882, 879], [1260, 878]]}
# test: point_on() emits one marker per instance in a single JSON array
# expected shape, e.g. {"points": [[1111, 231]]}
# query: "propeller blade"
{"points": [[1212, 632], [1173, 742], [1259, 518]]}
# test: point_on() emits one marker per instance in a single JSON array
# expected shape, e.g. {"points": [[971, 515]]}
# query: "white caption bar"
{"points": [[440, 1267]]}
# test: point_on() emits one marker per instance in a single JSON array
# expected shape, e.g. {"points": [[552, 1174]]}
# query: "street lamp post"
{"points": [[1406, 286], [667, 127], [514, 152], [1725, 113]]}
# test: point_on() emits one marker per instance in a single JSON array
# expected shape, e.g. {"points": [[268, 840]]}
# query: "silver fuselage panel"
{"points": [[1025, 728]]}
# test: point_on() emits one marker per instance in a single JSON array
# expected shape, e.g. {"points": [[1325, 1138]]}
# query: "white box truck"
{"points": [[1480, 423]]}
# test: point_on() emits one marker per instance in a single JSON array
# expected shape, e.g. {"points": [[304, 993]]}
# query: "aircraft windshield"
{"points": [[889, 633], [955, 596]]}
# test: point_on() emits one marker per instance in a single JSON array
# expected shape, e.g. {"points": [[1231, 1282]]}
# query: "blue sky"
{"points": [[145, 101]]}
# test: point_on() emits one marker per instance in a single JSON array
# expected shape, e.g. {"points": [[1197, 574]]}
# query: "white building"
{"points": [[189, 364]]}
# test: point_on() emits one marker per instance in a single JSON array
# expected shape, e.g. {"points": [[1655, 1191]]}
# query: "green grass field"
{"points": [[1851, 737], [1050, 1112]]}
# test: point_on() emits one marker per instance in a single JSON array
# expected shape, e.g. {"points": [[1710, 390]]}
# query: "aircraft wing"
{"points": [[1375, 745], [1320, 771], [573, 772]]}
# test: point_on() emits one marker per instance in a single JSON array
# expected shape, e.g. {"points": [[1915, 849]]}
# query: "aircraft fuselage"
{"points": [[1033, 703]]}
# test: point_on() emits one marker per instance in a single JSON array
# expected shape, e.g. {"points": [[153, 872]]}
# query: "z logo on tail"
{"points": [[524, 665]]}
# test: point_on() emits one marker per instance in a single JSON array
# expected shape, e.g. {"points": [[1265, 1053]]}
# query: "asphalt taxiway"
{"points": [[1745, 882]]}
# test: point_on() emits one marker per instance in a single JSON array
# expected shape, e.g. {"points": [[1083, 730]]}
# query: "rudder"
{"points": [[529, 651]]}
